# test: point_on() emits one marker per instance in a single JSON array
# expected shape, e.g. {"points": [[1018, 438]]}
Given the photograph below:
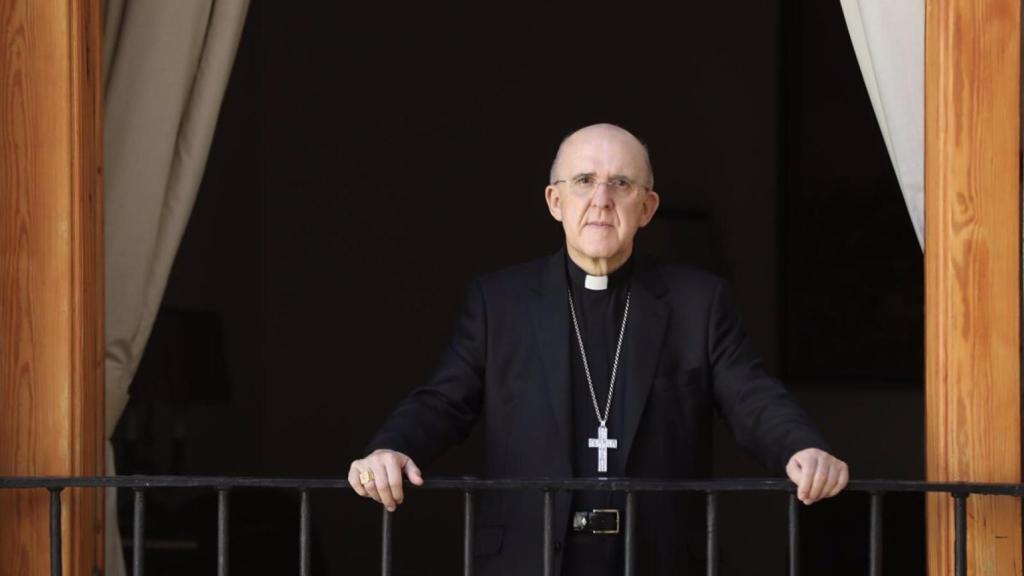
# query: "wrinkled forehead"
{"points": [[603, 155]]}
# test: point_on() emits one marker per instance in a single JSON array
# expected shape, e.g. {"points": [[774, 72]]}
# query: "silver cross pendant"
{"points": [[603, 443]]}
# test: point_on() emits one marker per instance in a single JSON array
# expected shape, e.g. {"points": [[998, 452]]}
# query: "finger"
{"points": [[793, 471], [353, 480], [807, 470], [844, 478], [821, 472], [380, 478], [829, 489], [371, 486], [395, 479], [371, 491], [413, 472]]}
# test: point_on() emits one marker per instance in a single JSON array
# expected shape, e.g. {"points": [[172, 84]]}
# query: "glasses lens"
{"points": [[585, 185]]}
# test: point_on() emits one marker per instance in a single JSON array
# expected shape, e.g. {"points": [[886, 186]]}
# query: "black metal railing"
{"points": [[876, 489]]}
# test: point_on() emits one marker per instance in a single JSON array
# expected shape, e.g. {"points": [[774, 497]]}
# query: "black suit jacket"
{"points": [[507, 366]]}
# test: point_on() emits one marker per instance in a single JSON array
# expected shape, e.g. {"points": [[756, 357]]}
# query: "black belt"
{"points": [[596, 521]]}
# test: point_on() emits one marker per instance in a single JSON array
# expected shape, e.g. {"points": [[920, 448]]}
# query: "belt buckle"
{"points": [[612, 511]]}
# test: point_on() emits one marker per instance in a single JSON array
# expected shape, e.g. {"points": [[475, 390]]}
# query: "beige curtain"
{"points": [[888, 38], [166, 67]]}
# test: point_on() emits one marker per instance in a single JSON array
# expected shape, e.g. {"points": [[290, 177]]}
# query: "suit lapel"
{"points": [[551, 328], [645, 335]]}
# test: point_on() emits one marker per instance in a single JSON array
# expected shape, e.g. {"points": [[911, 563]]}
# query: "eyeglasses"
{"points": [[586, 184]]}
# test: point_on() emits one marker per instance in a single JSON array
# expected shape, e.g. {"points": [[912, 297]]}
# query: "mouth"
{"points": [[599, 224]]}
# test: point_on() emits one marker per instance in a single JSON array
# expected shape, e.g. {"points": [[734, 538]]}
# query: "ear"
{"points": [[554, 200], [650, 206]]}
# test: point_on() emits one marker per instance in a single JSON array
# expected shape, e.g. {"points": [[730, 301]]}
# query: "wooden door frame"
{"points": [[51, 278], [973, 275]]}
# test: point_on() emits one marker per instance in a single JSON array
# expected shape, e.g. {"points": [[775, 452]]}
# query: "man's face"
{"points": [[601, 197]]}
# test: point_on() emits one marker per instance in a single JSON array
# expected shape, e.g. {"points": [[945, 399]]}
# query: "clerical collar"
{"points": [[595, 282], [579, 278]]}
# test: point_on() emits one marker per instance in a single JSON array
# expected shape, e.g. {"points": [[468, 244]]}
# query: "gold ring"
{"points": [[365, 477]]}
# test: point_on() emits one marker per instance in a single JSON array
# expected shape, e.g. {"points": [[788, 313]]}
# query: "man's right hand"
{"points": [[385, 469]]}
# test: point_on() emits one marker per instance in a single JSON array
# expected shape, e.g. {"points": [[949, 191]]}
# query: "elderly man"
{"points": [[596, 361]]}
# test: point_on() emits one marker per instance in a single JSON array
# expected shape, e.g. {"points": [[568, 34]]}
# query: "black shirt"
{"points": [[599, 314]]}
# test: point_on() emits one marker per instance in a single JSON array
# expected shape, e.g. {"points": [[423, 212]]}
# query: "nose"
{"points": [[602, 196]]}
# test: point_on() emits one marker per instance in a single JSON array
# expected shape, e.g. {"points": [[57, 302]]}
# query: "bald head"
{"points": [[603, 137]]}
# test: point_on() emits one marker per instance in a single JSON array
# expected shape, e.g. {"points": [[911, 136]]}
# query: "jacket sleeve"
{"points": [[442, 413], [763, 416]]}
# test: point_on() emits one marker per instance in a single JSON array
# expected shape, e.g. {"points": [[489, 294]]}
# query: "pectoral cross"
{"points": [[603, 443]]}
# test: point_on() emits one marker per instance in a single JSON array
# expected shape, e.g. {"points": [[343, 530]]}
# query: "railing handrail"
{"points": [[475, 483], [959, 491]]}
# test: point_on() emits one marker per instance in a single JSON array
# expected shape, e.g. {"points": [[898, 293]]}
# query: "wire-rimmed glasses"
{"points": [[586, 184]]}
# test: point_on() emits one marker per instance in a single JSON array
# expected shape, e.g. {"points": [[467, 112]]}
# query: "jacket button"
{"points": [[558, 545]]}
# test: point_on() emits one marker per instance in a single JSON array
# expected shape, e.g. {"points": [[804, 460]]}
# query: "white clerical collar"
{"points": [[595, 282]]}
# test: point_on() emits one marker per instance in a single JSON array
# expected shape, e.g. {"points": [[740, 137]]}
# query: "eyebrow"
{"points": [[613, 176]]}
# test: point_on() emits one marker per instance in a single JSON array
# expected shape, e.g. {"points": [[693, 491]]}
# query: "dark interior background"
{"points": [[369, 161]]}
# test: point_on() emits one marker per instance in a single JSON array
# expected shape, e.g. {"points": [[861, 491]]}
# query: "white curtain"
{"points": [[888, 38], [166, 66]]}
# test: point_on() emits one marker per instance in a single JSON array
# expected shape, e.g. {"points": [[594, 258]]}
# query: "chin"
{"points": [[600, 251]]}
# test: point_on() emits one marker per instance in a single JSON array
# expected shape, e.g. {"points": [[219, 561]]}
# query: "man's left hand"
{"points": [[817, 474]]}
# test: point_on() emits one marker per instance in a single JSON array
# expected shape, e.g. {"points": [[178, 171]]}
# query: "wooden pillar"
{"points": [[51, 273], [973, 275]]}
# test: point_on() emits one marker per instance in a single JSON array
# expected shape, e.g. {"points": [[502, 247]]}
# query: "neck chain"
{"points": [[615, 363]]}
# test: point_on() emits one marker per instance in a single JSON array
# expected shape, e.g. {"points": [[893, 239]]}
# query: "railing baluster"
{"points": [[549, 518], [56, 552], [794, 536], [960, 549], [385, 545], [630, 533], [712, 521], [876, 489], [876, 534], [139, 533], [467, 538], [304, 534], [222, 532]]}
